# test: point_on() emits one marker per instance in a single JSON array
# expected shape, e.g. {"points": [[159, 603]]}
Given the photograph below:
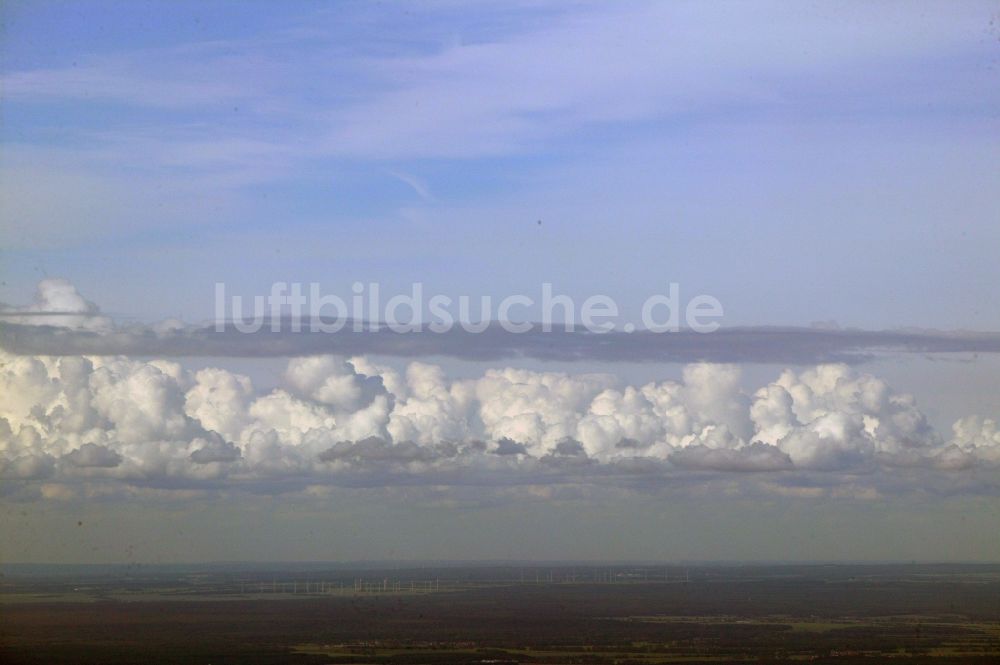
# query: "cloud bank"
{"points": [[74, 424]]}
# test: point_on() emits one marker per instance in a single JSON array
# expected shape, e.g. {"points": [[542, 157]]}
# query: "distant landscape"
{"points": [[519, 613]]}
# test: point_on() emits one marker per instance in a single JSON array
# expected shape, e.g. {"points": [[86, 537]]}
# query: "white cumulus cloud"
{"points": [[336, 420]]}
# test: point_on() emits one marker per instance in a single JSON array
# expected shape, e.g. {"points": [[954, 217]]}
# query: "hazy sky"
{"points": [[828, 165], [815, 162]]}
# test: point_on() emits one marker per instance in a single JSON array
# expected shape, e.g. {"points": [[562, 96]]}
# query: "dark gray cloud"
{"points": [[569, 448], [755, 457], [377, 450], [216, 450], [507, 446], [92, 455]]}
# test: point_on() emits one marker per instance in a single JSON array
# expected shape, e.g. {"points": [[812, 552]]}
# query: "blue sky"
{"points": [[832, 161]]}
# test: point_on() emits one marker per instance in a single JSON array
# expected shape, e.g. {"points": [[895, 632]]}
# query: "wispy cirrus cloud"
{"points": [[233, 113]]}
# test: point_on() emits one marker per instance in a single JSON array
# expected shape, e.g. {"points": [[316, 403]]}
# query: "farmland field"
{"points": [[494, 615]]}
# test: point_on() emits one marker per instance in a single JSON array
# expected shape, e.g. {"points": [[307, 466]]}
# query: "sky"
{"points": [[827, 172]]}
